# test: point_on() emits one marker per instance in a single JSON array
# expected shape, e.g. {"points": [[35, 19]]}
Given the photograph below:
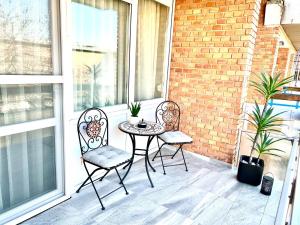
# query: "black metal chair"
{"points": [[92, 128], [168, 115]]}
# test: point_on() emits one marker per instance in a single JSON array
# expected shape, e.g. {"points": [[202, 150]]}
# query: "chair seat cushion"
{"points": [[107, 156], [175, 137]]}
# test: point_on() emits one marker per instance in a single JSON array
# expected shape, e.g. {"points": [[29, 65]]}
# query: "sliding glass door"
{"points": [[30, 107]]}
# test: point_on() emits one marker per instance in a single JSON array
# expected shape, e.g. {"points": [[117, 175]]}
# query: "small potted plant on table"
{"points": [[250, 169], [134, 110]]}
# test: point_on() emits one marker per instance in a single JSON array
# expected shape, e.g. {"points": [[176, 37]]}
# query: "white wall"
{"points": [[291, 14]]}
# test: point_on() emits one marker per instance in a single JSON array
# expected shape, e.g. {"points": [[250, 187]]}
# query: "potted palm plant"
{"points": [[134, 110], [264, 121]]}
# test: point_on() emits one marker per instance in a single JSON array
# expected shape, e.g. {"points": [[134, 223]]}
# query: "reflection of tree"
{"points": [[22, 35], [94, 72], [90, 88]]}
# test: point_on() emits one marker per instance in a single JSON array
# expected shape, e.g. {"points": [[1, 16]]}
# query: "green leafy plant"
{"points": [[264, 146], [264, 121], [135, 109]]}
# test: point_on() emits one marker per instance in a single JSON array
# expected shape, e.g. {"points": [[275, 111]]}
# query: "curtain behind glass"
{"points": [[100, 52], [150, 52], [25, 37], [27, 167], [27, 160]]}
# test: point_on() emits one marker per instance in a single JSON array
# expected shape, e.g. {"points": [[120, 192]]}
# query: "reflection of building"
{"points": [[28, 57], [19, 103]]}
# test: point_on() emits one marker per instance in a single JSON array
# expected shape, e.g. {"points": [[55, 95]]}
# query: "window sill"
{"points": [[106, 109], [146, 104]]}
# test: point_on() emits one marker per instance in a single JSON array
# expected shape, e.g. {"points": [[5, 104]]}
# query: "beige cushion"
{"points": [[174, 137], [107, 156]]}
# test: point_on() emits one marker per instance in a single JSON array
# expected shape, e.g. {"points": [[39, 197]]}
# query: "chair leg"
{"points": [[186, 169], [176, 151], [83, 184], [93, 185], [157, 150], [121, 182], [130, 164], [101, 178], [124, 167], [162, 162]]}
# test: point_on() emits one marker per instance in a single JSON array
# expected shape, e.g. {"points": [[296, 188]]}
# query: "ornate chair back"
{"points": [[92, 128], [168, 115]]}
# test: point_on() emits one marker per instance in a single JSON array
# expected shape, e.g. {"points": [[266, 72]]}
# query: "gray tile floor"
{"points": [[206, 195]]}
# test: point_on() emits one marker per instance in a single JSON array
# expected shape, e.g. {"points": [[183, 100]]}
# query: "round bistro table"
{"points": [[152, 129]]}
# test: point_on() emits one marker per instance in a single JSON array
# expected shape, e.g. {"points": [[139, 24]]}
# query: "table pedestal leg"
{"points": [[132, 137], [147, 151], [147, 159]]}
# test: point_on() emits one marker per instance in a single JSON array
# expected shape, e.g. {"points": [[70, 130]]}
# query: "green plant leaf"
{"points": [[263, 145], [135, 109]]}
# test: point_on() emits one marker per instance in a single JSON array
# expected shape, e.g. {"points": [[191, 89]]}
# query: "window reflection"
{"points": [[21, 103], [100, 53], [25, 43]]}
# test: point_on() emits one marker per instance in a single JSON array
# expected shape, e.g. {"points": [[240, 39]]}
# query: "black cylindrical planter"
{"points": [[267, 184], [248, 173]]}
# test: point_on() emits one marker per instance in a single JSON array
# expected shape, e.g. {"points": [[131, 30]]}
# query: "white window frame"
{"points": [[22, 212], [108, 109], [155, 101], [132, 58]]}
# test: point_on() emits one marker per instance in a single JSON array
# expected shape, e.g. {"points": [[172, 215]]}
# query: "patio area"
{"points": [[208, 194], [229, 71]]}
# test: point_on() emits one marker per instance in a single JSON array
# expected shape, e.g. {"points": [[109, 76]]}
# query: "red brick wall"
{"points": [[212, 51], [268, 56], [282, 61], [265, 52], [267, 39]]}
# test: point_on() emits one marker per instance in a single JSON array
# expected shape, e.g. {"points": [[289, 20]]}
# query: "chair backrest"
{"points": [[92, 128], [168, 115]]}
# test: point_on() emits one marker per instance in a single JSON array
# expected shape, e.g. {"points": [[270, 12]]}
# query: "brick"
{"points": [[209, 85]]}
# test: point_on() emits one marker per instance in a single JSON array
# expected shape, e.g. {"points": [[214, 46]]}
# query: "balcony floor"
{"points": [[208, 194]]}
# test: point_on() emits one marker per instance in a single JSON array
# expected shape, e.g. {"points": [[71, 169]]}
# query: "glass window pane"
{"points": [[25, 37], [22, 103], [151, 49], [100, 52], [27, 167]]}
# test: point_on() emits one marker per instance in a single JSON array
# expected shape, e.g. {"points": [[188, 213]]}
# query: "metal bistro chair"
{"points": [[92, 128], [168, 115]]}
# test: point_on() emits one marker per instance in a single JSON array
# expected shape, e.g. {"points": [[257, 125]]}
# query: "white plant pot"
{"points": [[133, 120], [273, 14]]}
